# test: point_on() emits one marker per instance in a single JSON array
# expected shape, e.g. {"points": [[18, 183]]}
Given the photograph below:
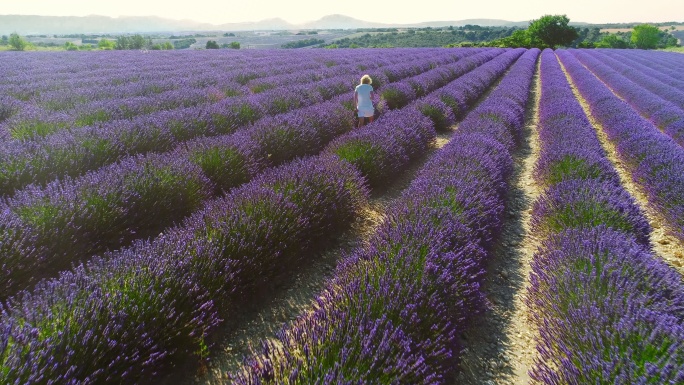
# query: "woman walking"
{"points": [[362, 99]]}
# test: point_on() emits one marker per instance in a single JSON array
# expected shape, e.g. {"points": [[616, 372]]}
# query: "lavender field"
{"points": [[511, 216]]}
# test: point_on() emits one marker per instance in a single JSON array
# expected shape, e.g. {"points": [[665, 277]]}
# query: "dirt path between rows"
{"points": [[499, 346], [664, 244]]}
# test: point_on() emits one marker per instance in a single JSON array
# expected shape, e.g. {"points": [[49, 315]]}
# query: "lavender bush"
{"points": [[607, 310]]}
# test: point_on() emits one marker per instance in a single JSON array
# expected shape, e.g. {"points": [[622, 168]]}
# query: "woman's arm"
{"points": [[356, 99]]}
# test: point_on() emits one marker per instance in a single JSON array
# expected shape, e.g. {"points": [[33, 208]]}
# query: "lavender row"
{"points": [[400, 93], [666, 113], [583, 188], [28, 76], [653, 69], [119, 318], [47, 229], [655, 161], [600, 299], [394, 310], [68, 108], [251, 237], [73, 153], [663, 86], [569, 146], [607, 309], [668, 64], [380, 156]]}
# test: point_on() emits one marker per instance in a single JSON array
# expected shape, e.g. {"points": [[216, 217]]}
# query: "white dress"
{"points": [[364, 103]]}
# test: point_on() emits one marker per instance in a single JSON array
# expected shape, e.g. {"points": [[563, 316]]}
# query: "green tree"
{"points": [[234, 45], [69, 46], [106, 44], [4, 40], [519, 38], [17, 42], [211, 44], [137, 42], [551, 31], [612, 41], [184, 43], [122, 42], [645, 36]]}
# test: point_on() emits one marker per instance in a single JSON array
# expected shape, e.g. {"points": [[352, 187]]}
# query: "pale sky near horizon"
{"points": [[383, 11]]}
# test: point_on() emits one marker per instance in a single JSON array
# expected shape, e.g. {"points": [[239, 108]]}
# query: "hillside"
{"points": [[31, 24]]}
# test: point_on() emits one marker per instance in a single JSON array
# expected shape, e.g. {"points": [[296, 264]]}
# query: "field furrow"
{"points": [[499, 345]]}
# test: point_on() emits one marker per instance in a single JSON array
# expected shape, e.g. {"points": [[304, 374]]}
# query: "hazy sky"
{"points": [[386, 11]]}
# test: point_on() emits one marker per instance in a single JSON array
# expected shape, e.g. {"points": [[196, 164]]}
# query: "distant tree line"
{"points": [[551, 31], [183, 43], [425, 37], [303, 43], [547, 31]]}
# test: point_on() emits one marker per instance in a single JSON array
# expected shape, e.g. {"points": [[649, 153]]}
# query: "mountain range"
{"points": [[34, 25]]}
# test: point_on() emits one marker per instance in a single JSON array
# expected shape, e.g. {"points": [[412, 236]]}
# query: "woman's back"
{"points": [[364, 99]]}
